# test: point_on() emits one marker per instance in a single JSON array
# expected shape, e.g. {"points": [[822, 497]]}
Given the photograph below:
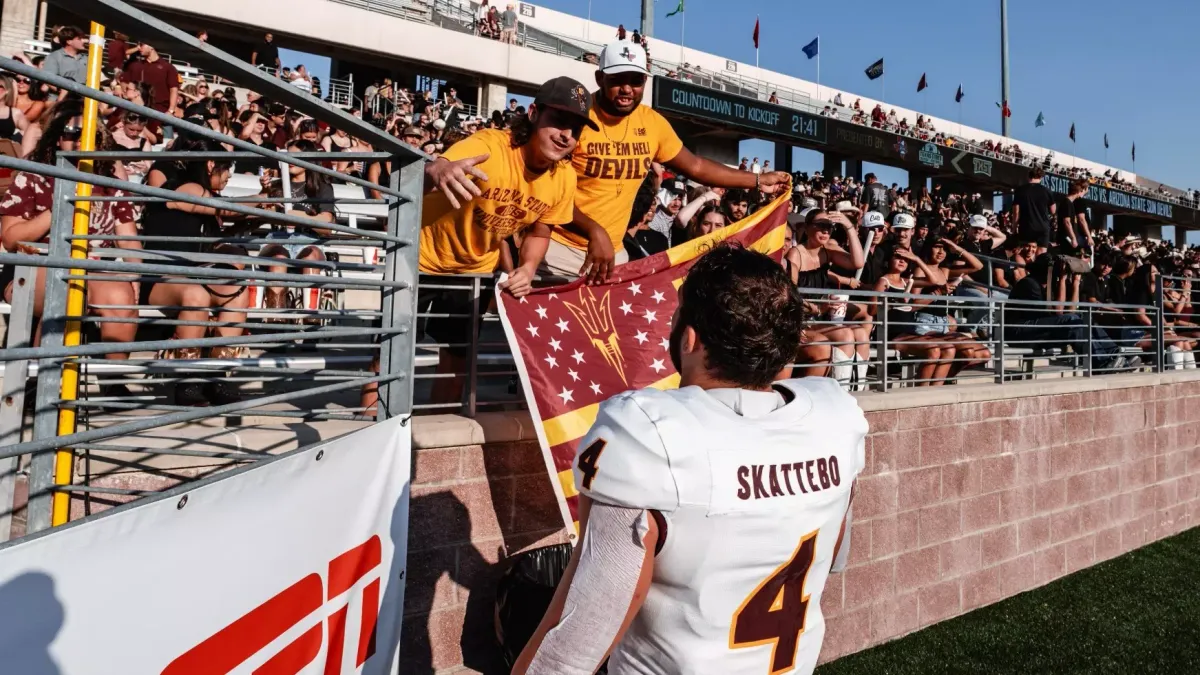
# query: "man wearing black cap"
{"points": [[614, 159], [490, 186]]}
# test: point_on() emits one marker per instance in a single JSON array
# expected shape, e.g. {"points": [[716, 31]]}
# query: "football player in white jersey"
{"points": [[710, 515]]}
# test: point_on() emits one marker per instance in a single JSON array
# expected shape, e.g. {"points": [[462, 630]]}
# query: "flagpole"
{"points": [[818, 66], [682, 28]]}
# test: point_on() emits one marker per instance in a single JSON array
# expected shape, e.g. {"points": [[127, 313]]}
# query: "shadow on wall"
{"points": [[471, 571], [30, 618]]}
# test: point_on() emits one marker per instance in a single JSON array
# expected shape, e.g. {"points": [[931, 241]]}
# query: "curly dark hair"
{"points": [[46, 150], [745, 312]]}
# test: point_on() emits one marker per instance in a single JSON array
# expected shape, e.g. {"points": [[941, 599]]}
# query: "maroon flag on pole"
{"points": [[756, 32], [576, 345]]}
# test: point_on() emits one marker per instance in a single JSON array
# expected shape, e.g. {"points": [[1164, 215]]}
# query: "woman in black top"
{"points": [[181, 219], [809, 263]]}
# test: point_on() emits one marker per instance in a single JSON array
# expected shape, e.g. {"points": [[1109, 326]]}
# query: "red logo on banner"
{"points": [[236, 643]]}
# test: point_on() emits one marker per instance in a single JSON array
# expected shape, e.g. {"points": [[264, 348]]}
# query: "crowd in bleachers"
{"points": [[846, 235], [951, 250]]}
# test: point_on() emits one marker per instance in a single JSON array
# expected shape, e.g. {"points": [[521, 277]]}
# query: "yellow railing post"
{"points": [[76, 295]]}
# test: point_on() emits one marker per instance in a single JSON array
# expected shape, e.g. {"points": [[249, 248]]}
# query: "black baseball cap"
{"points": [[567, 95]]}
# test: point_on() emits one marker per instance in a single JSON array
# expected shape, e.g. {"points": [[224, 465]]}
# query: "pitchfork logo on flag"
{"points": [[579, 345]]}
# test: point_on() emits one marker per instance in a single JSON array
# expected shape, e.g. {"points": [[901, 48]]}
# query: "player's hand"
{"points": [[597, 266], [771, 183], [519, 283], [454, 178]]}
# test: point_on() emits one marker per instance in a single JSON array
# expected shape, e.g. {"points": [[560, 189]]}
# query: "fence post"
{"points": [[12, 390], [473, 349], [1000, 343], [883, 345], [397, 350], [49, 384], [1160, 329], [1091, 334]]}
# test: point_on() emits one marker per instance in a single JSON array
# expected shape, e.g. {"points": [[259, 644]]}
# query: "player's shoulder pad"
{"points": [[622, 460], [830, 401]]}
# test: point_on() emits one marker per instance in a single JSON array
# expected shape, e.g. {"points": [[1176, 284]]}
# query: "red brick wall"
{"points": [[961, 505]]}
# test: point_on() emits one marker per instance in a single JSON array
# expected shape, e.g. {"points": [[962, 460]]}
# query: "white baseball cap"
{"points": [[809, 203], [623, 56], [977, 221], [872, 219], [903, 221]]}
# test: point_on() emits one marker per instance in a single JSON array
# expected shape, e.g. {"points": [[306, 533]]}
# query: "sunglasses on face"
{"points": [[823, 224], [631, 79], [71, 133], [23, 80]]}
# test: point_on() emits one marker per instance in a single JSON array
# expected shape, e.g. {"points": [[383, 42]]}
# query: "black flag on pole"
{"points": [[1072, 134], [922, 84], [958, 96], [875, 70]]}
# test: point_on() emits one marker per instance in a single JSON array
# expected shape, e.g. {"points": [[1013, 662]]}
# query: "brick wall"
{"points": [[965, 504], [968, 498]]}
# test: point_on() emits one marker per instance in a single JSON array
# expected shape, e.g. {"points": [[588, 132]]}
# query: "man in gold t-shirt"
{"points": [[612, 160], [488, 187]]}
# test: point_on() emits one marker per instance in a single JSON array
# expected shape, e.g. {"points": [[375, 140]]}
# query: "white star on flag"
{"points": [[555, 345], [563, 325], [541, 312], [658, 365], [635, 288], [595, 388], [552, 296], [574, 375], [524, 301], [552, 361], [565, 395], [658, 296], [532, 330], [641, 337], [626, 307], [651, 316], [666, 344], [578, 356]]}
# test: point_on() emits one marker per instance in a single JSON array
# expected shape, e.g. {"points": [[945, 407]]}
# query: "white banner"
{"points": [[293, 566]]}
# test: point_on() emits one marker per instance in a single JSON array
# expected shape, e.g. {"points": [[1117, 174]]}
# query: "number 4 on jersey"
{"points": [[774, 612], [587, 462]]}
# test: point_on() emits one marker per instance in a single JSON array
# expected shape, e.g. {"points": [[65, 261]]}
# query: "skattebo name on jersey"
{"points": [[763, 481]]}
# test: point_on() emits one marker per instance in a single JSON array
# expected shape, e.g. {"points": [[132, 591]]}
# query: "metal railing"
{"points": [[303, 358], [886, 343]]}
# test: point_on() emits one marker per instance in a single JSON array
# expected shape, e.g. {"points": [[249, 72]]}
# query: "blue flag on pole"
{"points": [[810, 49], [1040, 121]]}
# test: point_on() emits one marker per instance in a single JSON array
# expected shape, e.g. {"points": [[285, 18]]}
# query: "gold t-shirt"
{"points": [[611, 165], [467, 240]]}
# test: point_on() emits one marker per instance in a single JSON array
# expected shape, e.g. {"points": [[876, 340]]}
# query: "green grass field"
{"points": [[1139, 613]]}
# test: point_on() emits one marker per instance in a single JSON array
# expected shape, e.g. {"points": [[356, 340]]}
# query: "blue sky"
{"points": [[1110, 66]]}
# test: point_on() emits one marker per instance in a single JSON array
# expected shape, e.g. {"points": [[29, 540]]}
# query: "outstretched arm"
{"points": [[601, 591], [710, 173]]}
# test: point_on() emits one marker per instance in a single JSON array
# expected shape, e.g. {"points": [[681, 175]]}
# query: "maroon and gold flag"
{"points": [[576, 345]]}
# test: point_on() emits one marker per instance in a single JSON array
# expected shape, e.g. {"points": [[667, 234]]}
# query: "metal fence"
{"points": [[869, 341], [80, 412]]}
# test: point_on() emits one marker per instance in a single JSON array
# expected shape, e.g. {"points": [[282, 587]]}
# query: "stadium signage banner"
{"points": [[1115, 198], [295, 565], [711, 105]]}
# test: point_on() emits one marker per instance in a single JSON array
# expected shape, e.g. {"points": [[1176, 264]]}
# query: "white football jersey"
{"points": [[753, 502]]}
